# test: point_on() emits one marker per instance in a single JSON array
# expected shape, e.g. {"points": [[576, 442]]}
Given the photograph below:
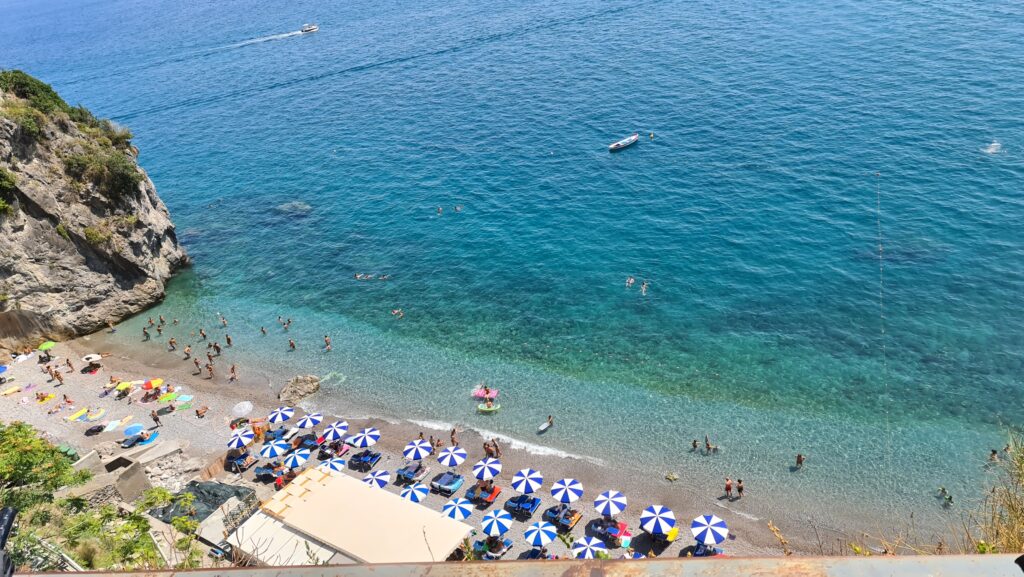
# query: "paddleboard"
{"points": [[77, 415], [484, 409], [543, 427], [11, 390], [479, 393], [47, 398], [95, 416]]}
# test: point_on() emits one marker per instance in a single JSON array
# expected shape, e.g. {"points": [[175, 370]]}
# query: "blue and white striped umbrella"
{"points": [[657, 520], [567, 490], [281, 414], [297, 458], [487, 468], [496, 523], [335, 430], [334, 464], [415, 492], [366, 438], [588, 548], [527, 481], [540, 533], [610, 503], [309, 421], [241, 438], [452, 456], [709, 529], [379, 479], [417, 449], [458, 508], [274, 449]]}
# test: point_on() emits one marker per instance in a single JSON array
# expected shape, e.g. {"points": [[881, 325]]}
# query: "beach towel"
{"points": [[78, 415], [47, 398], [12, 390], [151, 438], [95, 416]]}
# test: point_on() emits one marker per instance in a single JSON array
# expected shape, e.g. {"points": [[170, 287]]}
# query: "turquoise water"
{"points": [[292, 162]]}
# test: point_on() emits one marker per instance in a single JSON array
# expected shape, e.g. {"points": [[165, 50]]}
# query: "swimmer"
{"points": [[224, 321], [263, 330], [458, 208], [800, 460], [163, 321], [398, 313], [327, 343], [439, 211], [643, 288], [291, 344], [551, 421], [629, 281]]}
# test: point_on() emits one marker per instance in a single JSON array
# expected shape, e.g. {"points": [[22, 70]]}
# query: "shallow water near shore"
{"points": [[293, 162]]}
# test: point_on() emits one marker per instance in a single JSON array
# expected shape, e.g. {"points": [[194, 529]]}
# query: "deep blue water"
{"points": [[292, 162]]}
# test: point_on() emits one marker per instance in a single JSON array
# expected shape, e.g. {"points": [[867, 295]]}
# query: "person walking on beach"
{"points": [[188, 351], [145, 334], [172, 344], [739, 488], [59, 377], [728, 488], [155, 417], [455, 439], [291, 344], [497, 449], [198, 368], [327, 343], [209, 371], [233, 374], [209, 357], [71, 368]]}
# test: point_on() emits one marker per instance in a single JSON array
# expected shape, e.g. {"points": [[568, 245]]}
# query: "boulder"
{"points": [[299, 388]]}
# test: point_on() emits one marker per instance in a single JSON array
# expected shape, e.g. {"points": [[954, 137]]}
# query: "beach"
{"points": [[205, 439]]}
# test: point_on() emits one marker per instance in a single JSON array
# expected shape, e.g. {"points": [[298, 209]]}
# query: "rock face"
{"points": [[84, 238], [299, 388]]}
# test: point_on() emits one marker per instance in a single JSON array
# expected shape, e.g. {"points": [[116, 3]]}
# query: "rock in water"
{"points": [[299, 388], [85, 239]]}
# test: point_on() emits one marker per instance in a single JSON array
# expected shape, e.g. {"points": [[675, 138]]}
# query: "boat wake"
{"points": [[258, 40], [995, 148]]}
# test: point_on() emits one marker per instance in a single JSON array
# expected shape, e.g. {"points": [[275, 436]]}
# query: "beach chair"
{"points": [[702, 550], [356, 462], [666, 538], [492, 496], [481, 550], [409, 472], [447, 483], [242, 462], [371, 461], [552, 514], [523, 506]]}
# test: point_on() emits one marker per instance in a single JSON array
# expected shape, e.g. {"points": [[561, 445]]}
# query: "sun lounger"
{"points": [[409, 472], [448, 483], [563, 517], [364, 461], [287, 436], [371, 461], [267, 472], [273, 435], [421, 475], [528, 506], [242, 462], [702, 550], [481, 494], [480, 548]]}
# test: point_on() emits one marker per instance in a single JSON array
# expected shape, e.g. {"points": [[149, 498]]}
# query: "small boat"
{"points": [[624, 143], [306, 28]]}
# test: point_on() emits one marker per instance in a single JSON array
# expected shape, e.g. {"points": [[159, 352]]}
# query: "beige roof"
{"points": [[362, 522], [273, 543]]}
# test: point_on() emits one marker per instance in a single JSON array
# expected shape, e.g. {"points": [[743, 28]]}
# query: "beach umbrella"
{"points": [[458, 508], [487, 468], [92, 358], [47, 346], [133, 430], [274, 449], [540, 533], [241, 409], [657, 520], [567, 490], [365, 438], [709, 529], [296, 459], [335, 430], [334, 464], [417, 449], [610, 503], [588, 548], [379, 479], [241, 438], [452, 456], [281, 414], [415, 492], [309, 421], [496, 522], [527, 481]]}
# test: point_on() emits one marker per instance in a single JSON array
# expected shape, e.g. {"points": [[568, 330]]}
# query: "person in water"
{"points": [[291, 344], [629, 281], [489, 403], [799, 460], [643, 287], [327, 343], [551, 421]]}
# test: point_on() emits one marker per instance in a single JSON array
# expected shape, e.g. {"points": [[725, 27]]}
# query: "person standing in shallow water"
{"points": [[739, 488], [728, 488], [799, 460], [291, 344], [327, 343]]}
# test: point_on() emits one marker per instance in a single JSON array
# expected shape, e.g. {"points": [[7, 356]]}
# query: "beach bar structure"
{"points": [[330, 517]]}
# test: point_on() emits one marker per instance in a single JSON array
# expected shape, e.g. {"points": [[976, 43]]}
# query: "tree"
{"points": [[31, 468]]}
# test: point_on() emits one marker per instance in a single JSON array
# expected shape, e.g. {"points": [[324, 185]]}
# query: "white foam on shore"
{"points": [[434, 425], [738, 513], [533, 449]]}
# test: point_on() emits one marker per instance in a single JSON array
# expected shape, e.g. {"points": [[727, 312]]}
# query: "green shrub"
{"points": [[5, 208], [40, 95], [7, 181], [96, 235], [63, 231], [30, 120], [126, 221], [111, 171]]}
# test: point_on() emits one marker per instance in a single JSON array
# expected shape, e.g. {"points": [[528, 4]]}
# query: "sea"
{"points": [[825, 205]]}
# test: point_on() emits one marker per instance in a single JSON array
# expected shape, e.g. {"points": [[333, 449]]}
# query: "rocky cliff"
{"points": [[84, 238]]}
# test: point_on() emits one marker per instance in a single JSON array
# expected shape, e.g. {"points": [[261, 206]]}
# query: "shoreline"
{"points": [[749, 533]]}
